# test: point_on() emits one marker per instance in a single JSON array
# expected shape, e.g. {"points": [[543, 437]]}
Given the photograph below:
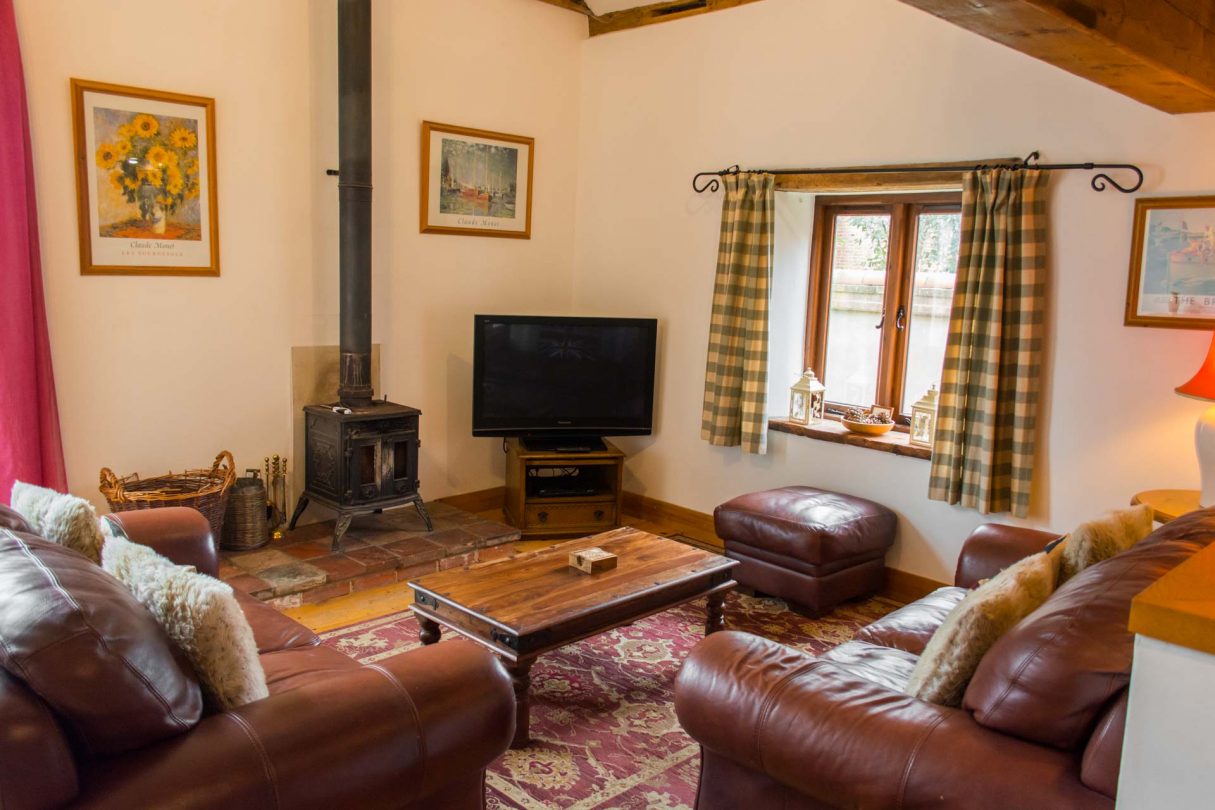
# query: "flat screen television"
{"points": [[564, 379]]}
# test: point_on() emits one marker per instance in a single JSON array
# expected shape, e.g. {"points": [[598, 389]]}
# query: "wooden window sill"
{"points": [[829, 431]]}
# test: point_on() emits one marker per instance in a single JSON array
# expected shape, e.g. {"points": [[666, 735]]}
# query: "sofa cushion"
{"points": [[200, 615], [299, 666], [272, 630], [10, 518], [911, 626], [885, 666], [63, 519], [75, 636], [36, 769], [1102, 538], [1049, 677], [988, 612], [1102, 760]]}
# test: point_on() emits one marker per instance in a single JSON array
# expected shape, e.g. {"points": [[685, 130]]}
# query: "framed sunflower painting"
{"points": [[145, 181]]}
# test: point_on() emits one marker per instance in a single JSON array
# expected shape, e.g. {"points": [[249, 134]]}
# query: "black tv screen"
{"points": [[538, 376]]}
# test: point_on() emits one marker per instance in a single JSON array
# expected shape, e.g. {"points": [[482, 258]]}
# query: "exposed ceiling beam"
{"points": [[645, 15], [1159, 52], [579, 6]]}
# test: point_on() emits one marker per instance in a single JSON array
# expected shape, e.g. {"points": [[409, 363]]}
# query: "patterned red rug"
{"points": [[604, 732]]}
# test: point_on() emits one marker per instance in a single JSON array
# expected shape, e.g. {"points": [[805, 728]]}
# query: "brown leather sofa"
{"points": [[414, 730], [1041, 723]]}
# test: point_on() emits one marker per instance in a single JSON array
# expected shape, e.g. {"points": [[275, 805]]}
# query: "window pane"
{"points": [[858, 288], [936, 267]]}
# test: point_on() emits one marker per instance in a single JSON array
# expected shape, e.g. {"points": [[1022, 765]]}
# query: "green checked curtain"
{"points": [[983, 454], [736, 372]]}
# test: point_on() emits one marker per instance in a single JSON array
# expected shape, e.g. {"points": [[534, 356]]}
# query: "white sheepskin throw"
{"points": [[63, 519], [953, 653], [1097, 540], [201, 616]]}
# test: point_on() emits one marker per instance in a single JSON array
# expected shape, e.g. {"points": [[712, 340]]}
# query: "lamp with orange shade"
{"points": [[1202, 386]]}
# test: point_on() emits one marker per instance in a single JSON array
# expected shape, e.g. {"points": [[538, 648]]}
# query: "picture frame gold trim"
{"points": [[425, 223], [83, 161], [1133, 316]]}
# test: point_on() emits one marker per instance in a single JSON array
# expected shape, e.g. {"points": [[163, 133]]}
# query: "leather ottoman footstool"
{"points": [[810, 547]]}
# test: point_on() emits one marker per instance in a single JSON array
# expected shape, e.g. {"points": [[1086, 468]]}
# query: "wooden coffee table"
{"points": [[523, 607]]}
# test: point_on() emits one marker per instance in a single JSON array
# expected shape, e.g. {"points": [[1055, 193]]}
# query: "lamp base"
{"points": [[1204, 444]]}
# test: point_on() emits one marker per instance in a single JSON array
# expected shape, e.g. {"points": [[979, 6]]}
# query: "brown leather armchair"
{"points": [[1041, 723], [414, 730]]}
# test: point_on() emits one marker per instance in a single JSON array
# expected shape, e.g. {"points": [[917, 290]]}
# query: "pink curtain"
{"points": [[30, 446]]}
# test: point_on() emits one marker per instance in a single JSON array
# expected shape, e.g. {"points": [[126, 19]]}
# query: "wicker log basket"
{"points": [[203, 489], [245, 526]]}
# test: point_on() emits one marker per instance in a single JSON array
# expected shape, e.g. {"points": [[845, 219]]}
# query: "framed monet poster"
{"points": [[1172, 276], [145, 181], [476, 182]]}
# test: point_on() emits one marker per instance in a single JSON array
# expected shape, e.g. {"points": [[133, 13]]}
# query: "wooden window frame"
{"points": [[903, 209]]}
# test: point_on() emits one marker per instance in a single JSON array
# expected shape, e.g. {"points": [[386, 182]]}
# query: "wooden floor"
{"points": [[375, 602]]}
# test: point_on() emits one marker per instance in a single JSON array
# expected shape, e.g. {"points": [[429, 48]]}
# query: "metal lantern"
{"points": [[924, 419], [806, 400]]}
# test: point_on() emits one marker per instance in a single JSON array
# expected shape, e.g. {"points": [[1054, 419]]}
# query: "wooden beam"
{"points": [[865, 179], [657, 13], [579, 6], [1159, 52]]}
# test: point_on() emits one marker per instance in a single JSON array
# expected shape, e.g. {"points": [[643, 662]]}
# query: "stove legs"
{"points": [[425, 515], [344, 518], [300, 506], [339, 529]]}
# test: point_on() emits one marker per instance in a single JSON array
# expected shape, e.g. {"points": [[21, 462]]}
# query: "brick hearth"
{"points": [[378, 550]]}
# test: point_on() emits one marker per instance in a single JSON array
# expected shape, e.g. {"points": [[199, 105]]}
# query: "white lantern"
{"points": [[924, 420], [806, 400]]}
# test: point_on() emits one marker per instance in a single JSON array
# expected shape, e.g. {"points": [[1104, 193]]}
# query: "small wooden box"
{"points": [[592, 560]]}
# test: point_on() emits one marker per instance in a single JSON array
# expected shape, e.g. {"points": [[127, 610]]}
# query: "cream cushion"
{"points": [[200, 614], [63, 519], [953, 653], [1097, 540]]}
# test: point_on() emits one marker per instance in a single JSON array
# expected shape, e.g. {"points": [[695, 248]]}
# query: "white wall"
{"points": [[159, 373], [815, 83], [502, 65]]}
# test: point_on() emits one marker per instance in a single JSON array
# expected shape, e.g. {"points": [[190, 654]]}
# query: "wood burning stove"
{"points": [[360, 460], [361, 455]]}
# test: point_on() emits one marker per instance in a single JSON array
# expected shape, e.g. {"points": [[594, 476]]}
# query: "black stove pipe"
{"points": [[354, 199]]}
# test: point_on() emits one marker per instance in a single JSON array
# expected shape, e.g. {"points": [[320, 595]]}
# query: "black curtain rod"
{"points": [[1100, 180]]}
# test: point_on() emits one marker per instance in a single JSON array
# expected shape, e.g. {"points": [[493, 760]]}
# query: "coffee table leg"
{"points": [[715, 620], [430, 630], [521, 679]]}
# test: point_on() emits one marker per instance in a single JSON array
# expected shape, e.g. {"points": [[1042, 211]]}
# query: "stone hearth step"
{"points": [[378, 550]]}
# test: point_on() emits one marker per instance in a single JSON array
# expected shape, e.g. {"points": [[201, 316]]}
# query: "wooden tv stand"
{"points": [[550, 493]]}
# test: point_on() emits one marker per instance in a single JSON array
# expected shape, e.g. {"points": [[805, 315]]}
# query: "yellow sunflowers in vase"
{"points": [[153, 163]]}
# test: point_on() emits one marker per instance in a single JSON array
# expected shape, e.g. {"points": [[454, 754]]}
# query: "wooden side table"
{"points": [[1168, 504]]}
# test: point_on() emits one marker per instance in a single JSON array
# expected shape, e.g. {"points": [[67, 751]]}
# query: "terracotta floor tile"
{"points": [[257, 561], [415, 550], [491, 533], [227, 570], [377, 537], [308, 549], [454, 541], [311, 531], [339, 566], [373, 558], [254, 586], [377, 549]]}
